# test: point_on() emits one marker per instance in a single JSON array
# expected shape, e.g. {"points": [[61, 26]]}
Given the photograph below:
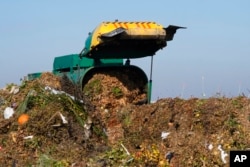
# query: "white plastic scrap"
{"points": [[125, 149], [8, 112], [210, 147], [53, 90], [63, 118], [223, 154], [164, 135], [28, 137], [14, 90], [87, 126], [60, 92], [105, 131]]}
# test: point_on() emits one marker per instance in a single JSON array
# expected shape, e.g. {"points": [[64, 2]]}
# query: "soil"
{"points": [[106, 126]]}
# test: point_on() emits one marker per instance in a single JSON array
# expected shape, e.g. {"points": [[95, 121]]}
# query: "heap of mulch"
{"points": [[49, 79], [46, 139], [199, 131], [109, 92], [196, 132]]}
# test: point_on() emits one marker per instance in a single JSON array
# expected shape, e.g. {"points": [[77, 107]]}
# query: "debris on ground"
{"points": [[50, 128]]}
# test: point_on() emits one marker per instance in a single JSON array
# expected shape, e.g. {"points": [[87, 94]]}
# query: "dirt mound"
{"points": [[62, 131]]}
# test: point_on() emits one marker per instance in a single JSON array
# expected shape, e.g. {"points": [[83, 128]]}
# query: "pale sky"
{"points": [[211, 56]]}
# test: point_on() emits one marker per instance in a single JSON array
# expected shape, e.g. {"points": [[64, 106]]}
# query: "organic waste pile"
{"points": [[112, 89], [45, 122]]}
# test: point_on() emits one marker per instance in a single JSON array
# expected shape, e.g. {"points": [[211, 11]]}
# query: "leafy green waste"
{"points": [[44, 160], [117, 92], [93, 87]]}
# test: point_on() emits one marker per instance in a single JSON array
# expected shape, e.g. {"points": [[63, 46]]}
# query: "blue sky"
{"points": [[211, 56]]}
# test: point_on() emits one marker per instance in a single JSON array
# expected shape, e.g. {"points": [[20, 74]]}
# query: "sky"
{"points": [[209, 58]]}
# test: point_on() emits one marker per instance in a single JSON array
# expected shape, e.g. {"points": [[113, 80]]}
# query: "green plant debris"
{"points": [[117, 92], [93, 87], [45, 160]]}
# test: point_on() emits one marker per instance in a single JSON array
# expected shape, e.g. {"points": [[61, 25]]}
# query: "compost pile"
{"points": [[112, 89], [107, 127]]}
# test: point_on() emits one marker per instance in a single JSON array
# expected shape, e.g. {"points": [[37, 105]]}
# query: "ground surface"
{"points": [[105, 127]]}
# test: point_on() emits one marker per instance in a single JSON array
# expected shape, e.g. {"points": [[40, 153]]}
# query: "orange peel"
{"points": [[22, 119]]}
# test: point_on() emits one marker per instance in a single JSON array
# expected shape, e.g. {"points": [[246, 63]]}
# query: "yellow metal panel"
{"points": [[128, 25], [134, 28]]}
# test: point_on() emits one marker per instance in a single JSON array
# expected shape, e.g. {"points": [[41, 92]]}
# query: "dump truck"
{"points": [[107, 53]]}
